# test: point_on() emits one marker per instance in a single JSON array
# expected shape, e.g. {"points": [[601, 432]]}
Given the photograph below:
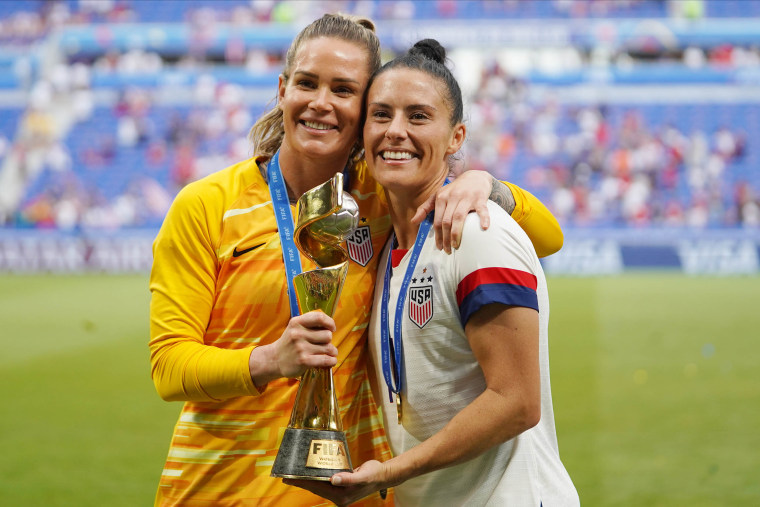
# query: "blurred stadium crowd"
{"points": [[627, 113]]}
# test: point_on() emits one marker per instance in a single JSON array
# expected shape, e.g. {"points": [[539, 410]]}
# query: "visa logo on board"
{"points": [[718, 257]]}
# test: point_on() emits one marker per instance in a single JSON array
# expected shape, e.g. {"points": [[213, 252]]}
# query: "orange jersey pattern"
{"points": [[218, 290]]}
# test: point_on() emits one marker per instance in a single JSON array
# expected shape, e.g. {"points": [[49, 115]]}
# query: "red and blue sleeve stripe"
{"points": [[496, 285]]}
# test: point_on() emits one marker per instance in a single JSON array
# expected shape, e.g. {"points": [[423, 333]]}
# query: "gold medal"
{"points": [[398, 407]]}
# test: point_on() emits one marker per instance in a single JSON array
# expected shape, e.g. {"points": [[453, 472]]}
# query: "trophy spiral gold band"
{"points": [[314, 444]]}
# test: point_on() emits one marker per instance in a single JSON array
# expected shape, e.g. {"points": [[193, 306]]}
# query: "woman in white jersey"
{"points": [[459, 342]]}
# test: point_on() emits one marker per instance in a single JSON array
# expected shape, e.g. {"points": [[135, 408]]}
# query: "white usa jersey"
{"points": [[442, 376]]}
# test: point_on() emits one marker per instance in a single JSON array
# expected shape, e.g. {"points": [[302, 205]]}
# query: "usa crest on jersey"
{"points": [[421, 304], [360, 245]]}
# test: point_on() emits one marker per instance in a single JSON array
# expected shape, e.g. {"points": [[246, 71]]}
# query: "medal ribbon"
{"points": [[392, 364], [285, 228]]}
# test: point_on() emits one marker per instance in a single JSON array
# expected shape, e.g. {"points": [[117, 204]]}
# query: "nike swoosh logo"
{"points": [[238, 253]]}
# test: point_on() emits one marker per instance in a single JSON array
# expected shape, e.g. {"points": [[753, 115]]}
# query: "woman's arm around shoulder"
{"points": [[533, 216], [470, 191]]}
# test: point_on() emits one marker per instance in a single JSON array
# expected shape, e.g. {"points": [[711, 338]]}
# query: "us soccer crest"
{"points": [[360, 245], [421, 304]]}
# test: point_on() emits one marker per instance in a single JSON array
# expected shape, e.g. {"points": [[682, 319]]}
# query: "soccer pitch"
{"points": [[655, 385]]}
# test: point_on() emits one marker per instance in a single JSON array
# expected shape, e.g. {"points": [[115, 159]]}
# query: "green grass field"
{"points": [[655, 384]]}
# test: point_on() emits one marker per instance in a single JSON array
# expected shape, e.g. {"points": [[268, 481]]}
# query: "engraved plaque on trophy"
{"points": [[314, 444]]}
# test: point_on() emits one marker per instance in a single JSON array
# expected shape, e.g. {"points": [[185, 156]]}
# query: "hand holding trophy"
{"points": [[314, 444]]}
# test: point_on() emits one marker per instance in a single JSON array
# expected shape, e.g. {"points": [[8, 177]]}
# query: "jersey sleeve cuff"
{"points": [[248, 382]]}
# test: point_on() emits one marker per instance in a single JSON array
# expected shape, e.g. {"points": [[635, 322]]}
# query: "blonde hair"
{"points": [[268, 131]]}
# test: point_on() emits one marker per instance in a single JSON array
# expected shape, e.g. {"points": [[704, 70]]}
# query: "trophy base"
{"points": [[311, 454]]}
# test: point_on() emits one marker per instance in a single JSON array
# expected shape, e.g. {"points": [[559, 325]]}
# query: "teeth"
{"points": [[318, 126], [397, 155]]}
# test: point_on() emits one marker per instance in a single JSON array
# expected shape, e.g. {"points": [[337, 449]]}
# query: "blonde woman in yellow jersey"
{"points": [[224, 338]]}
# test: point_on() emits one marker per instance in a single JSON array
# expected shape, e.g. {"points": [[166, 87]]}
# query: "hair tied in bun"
{"points": [[430, 49]]}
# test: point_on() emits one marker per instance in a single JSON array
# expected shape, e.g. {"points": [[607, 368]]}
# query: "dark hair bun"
{"points": [[430, 49]]}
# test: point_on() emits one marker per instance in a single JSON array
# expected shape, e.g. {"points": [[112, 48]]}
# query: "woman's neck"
{"points": [[403, 206], [302, 174]]}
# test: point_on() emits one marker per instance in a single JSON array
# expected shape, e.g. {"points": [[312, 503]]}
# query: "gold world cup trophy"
{"points": [[314, 444]]}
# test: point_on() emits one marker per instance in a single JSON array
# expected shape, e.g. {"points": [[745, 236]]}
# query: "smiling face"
{"points": [[408, 135], [321, 101]]}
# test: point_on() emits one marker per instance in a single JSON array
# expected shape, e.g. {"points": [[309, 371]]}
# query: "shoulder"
{"points": [[200, 206], [220, 186], [503, 235], [501, 224], [230, 178]]}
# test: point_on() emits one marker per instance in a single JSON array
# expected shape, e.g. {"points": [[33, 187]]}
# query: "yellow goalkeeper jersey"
{"points": [[219, 290]]}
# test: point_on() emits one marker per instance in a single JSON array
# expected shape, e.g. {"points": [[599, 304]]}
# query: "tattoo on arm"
{"points": [[502, 195]]}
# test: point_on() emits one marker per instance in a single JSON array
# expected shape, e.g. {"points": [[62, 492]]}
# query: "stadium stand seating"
{"points": [[111, 158]]}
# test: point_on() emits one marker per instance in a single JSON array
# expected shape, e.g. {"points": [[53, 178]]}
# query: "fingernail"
{"points": [[336, 481]]}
